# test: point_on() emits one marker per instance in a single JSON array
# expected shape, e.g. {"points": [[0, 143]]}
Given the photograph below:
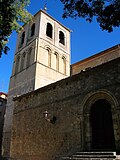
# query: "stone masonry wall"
{"points": [[35, 138]]}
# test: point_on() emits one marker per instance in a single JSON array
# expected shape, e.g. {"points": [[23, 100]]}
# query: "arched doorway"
{"points": [[102, 126]]}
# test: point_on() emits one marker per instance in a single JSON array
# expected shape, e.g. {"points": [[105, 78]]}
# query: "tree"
{"points": [[12, 13], [106, 12]]}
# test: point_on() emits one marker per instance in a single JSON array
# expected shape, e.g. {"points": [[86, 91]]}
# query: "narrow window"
{"points": [[61, 37], [49, 30], [22, 38], [32, 30], [22, 61]]}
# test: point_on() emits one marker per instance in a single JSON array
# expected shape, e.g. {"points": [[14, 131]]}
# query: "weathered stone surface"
{"points": [[39, 61], [70, 101]]}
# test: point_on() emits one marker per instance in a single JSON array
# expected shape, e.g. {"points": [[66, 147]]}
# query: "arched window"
{"points": [[32, 29], [49, 30], [54, 61], [64, 64], [22, 38], [22, 61], [61, 37], [29, 57]]}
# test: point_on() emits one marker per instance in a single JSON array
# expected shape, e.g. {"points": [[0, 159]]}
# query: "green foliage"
{"points": [[106, 12], [12, 13]]}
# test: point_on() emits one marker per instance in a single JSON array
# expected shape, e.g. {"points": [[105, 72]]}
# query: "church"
{"points": [[58, 111]]}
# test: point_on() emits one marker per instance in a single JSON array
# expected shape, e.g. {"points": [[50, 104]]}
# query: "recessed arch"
{"points": [[48, 56], [23, 38], [49, 30], [61, 37], [32, 30], [91, 97], [89, 100], [57, 60]]}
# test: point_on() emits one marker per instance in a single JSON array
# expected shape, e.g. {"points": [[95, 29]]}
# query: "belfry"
{"points": [[58, 111]]}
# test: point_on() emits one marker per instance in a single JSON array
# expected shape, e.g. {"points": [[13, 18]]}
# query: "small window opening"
{"points": [[33, 30], [23, 38], [61, 38], [49, 30]]}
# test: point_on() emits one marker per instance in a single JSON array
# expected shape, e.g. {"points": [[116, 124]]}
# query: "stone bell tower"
{"points": [[42, 57]]}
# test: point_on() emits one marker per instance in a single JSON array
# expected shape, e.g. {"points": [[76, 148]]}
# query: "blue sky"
{"points": [[86, 38]]}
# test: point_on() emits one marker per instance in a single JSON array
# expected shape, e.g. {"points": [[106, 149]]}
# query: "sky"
{"points": [[87, 39]]}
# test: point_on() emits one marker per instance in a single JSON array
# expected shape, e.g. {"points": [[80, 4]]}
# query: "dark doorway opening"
{"points": [[102, 126]]}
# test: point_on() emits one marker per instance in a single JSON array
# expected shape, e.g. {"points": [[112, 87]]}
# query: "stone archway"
{"points": [[88, 102], [102, 126]]}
